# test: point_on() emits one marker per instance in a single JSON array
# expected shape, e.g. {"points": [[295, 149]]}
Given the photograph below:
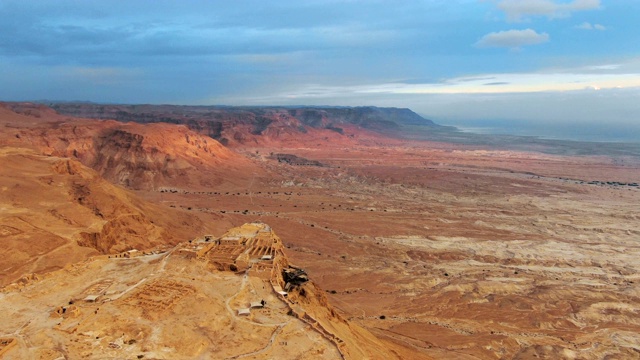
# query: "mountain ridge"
{"points": [[232, 125]]}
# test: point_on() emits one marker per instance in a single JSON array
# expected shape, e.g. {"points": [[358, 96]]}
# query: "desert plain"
{"points": [[419, 249]]}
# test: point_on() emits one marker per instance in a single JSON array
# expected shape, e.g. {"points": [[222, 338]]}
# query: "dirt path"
{"points": [[276, 332]]}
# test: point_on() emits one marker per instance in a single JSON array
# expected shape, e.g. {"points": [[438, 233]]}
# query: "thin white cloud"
{"points": [[604, 67], [518, 10], [588, 26], [608, 76], [514, 83], [512, 39]]}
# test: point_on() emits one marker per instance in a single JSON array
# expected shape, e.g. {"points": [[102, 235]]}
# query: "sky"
{"points": [[575, 62]]}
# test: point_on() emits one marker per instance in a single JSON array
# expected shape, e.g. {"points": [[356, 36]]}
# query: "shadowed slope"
{"points": [[56, 211]]}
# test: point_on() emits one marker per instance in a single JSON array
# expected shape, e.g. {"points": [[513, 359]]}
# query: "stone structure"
{"points": [[252, 247]]}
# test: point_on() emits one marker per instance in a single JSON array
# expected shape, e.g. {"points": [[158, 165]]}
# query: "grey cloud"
{"points": [[512, 39], [469, 79], [419, 81]]}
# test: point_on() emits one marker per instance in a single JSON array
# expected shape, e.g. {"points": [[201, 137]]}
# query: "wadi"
{"points": [[182, 232]]}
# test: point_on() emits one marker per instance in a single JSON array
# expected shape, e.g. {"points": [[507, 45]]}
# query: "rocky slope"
{"points": [[134, 155], [56, 211], [57, 207]]}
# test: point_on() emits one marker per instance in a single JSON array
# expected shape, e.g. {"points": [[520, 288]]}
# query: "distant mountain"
{"points": [[369, 117], [245, 125]]}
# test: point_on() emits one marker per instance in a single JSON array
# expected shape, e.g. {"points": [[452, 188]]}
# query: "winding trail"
{"points": [[276, 332]]}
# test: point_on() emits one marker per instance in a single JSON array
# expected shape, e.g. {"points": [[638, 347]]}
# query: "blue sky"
{"points": [[538, 61]]}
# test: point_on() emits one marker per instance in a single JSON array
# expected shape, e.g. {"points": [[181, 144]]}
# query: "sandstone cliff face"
{"points": [[140, 157], [124, 220], [134, 155]]}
